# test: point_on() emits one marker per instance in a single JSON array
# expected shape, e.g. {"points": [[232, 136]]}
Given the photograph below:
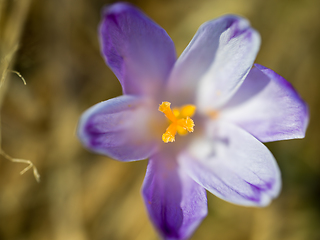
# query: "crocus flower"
{"points": [[200, 119]]}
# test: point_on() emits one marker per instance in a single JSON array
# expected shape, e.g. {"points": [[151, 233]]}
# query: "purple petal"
{"points": [[218, 59], [139, 52], [175, 203], [233, 165], [117, 128], [268, 107]]}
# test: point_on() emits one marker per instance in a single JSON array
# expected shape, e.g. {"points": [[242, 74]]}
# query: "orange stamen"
{"points": [[180, 120]]}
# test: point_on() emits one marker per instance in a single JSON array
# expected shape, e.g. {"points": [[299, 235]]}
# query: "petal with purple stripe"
{"points": [[139, 52], [218, 58], [268, 107], [118, 128], [175, 203], [233, 165]]}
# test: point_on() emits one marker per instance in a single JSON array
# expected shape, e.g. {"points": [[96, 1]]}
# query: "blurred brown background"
{"points": [[83, 196]]}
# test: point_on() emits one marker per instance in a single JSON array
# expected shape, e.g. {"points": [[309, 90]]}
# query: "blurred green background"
{"points": [[83, 196]]}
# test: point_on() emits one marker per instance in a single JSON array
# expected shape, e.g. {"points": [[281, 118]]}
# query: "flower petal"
{"points": [[175, 203], [218, 59], [268, 107], [117, 128], [233, 165], [139, 52]]}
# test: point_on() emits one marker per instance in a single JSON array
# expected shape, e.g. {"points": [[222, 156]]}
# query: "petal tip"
{"points": [[116, 8], [293, 114]]}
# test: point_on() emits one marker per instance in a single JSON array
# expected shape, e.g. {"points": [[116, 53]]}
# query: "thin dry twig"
{"points": [[20, 76], [17, 160]]}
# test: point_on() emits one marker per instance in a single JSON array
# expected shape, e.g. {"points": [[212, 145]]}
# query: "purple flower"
{"points": [[199, 119]]}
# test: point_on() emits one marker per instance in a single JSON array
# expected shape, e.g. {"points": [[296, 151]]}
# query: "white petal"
{"points": [[234, 166], [218, 58], [268, 107]]}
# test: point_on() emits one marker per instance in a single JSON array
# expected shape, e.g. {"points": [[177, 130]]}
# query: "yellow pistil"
{"points": [[180, 120]]}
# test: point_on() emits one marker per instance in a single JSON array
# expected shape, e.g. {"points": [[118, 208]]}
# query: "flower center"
{"points": [[180, 120]]}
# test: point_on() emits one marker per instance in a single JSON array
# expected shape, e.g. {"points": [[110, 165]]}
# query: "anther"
{"points": [[180, 120]]}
